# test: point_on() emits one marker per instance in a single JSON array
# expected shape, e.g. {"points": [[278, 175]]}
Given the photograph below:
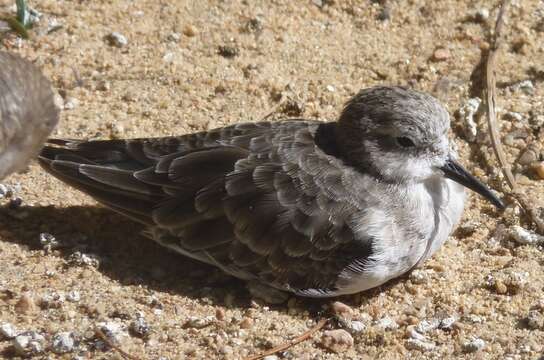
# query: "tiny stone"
{"points": [[386, 323], [15, 203], [220, 314], [421, 345], [113, 331], [48, 242], [527, 157], [525, 237], [25, 304], [175, 37], [500, 287], [63, 342], [198, 323], [116, 39], [341, 310], [246, 323], [447, 323], [73, 296], [79, 259], [535, 320], [139, 327], [271, 357], [103, 86], [52, 301], [29, 343], [482, 15], [71, 103], [427, 325], [8, 331], [330, 88], [474, 345], [526, 86], [539, 169], [356, 326], [228, 51], [441, 54], [337, 341], [189, 30], [467, 113], [419, 276]]}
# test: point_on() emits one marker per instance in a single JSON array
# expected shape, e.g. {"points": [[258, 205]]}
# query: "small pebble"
{"points": [[337, 341], [481, 15], [198, 323], [116, 39], [103, 86], [528, 157], [71, 103], [246, 323], [525, 237], [220, 314], [79, 259], [386, 323], [63, 342], [535, 320], [8, 331], [228, 51], [441, 54], [48, 242], [419, 276], [421, 345], [474, 345], [271, 357], [526, 86], [25, 304], [29, 343], [341, 310], [447, 323], [189, 30], [113, 331], [539, 169], [356, 326], [467, 113], [139, 327], [174, 37], [73, 296], [52, 301], [427, 325]]}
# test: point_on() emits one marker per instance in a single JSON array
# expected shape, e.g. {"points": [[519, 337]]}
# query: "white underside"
{"points": [[439, 208]]}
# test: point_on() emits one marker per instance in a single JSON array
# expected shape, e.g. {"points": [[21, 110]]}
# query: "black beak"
{"points": [[454, 171]]}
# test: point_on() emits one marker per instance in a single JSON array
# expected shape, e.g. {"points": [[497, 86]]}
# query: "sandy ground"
{"points": [[192, 66]]}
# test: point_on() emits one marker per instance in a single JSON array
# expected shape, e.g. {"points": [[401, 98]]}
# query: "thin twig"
{"points": [[491, 99], [306, 335], [108, 342], [522, 199]]}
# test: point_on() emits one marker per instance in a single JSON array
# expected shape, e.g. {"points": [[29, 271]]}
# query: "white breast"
{"points": [[434, 208]]}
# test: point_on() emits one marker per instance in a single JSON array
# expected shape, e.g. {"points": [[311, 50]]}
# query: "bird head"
{"points": [[401, 136]]}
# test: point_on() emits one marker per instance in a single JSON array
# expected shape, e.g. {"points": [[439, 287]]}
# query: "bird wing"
{"points": [[261, 200]]}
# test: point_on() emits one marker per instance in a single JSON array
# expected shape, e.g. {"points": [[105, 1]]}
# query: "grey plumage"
{"points": [[318, 209], [27, 112]]}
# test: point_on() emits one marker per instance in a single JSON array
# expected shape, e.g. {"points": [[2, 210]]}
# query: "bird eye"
{"points": [[405, 142]]}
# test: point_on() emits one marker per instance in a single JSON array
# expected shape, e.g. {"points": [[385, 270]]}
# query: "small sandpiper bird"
{"points": [[27, 112], [318, 209]]}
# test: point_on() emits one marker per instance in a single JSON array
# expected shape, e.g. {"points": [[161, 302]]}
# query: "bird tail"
{"points": [[104, 170]]}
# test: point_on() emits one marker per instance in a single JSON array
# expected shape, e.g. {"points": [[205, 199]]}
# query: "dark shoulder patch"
{"points": [[325, 138]]}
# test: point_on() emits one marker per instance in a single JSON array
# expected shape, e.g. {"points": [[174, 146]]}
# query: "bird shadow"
{"points": [[129, 258]]}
